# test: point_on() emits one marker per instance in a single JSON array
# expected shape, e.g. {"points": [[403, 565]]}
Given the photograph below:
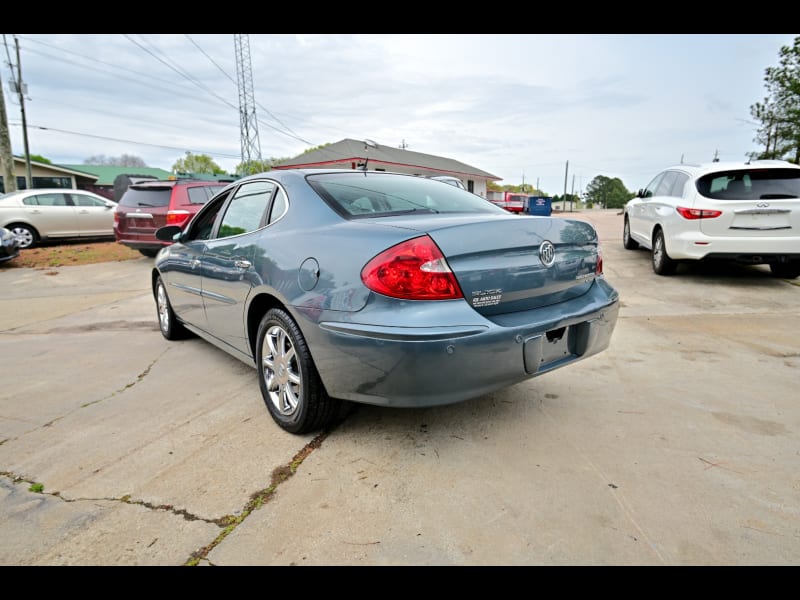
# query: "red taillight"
{"points": [[177, 217], [599, 269], [697, 213], [413, 270], [116, 217]]}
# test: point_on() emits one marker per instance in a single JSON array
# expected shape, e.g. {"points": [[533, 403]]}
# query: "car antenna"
{"points": [[367, 145]]}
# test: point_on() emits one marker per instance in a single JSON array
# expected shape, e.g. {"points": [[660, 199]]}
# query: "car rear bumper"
{"points": [[428, 366], [696, 246]]}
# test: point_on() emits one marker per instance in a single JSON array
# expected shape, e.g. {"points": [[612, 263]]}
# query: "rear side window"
{"points": [[245, 212], [754, 184], [202, 194], [149, 197]]}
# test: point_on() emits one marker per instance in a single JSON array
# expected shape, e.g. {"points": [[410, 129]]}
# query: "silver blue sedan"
{"points": [[380, 288]]}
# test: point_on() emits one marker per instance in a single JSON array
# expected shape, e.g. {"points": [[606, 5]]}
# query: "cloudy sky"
{"points": [[517, 106]]}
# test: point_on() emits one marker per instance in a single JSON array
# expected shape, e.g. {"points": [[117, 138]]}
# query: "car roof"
{"points": [[698, 170]]}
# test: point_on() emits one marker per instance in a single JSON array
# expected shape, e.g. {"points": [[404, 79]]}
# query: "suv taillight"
{"points": [[177, 217]]}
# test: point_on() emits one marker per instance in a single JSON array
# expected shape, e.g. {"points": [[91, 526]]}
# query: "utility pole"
{"points": [[21, 88], [523, 183], [572, 193], [251, 147], [9, 178], [537, 185], [566, 171], [403, 146]]}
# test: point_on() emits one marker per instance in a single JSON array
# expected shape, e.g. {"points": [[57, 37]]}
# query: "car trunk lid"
{"points": [[516, 263]]}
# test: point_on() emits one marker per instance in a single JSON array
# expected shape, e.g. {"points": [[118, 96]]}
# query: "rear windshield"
{"points": [[755, 184], [146, 197], [356, 194]]}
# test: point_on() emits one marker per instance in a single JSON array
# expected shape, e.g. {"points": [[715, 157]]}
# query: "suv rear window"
{"points": [[150, 196], [755, 184]]}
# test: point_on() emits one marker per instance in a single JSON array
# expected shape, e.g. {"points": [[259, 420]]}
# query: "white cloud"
{"points": [[514, 105]]}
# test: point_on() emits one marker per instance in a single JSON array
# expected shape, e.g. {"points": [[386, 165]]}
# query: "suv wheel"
{"points": [[662, 263]]}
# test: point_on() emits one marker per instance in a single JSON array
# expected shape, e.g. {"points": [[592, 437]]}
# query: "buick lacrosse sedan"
{"points": [[380, 288]]}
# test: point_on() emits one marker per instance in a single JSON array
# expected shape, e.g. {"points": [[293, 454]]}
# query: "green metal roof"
{"points": [[106, 175]]}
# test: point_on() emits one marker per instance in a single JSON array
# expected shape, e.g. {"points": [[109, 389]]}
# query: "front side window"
{"points": [[650, 190], [46, 200], [83, 200]]}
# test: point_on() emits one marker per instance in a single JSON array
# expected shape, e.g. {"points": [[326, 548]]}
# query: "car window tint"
{"points": [[366, 195], [46, 200], [246, 209], [754, 184]]}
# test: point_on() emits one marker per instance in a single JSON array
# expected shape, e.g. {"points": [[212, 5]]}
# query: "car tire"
{"points": [[170, 327], [27, 236], [789, 270], [627, 240], [149, 253], [290, 384], [662, 263]]}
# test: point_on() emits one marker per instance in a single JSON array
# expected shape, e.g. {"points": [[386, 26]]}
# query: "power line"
{"points": [[101, 137]]}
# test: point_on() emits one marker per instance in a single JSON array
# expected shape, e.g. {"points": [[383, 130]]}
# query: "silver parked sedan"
{"points": [[380, 288], [40, 215]]}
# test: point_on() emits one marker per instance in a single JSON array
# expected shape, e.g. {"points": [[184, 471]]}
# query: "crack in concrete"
{"points": [[127, 386], [258, 499], [38, 488]]}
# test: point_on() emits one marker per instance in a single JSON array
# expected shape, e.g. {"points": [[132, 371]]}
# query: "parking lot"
{"points": [[679, 445]]}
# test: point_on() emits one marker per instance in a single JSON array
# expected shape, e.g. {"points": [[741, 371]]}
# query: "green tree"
{"points": [[41, 159], [123, 160], [779, 113], [258, 166], [197, 163], [607, 192]]}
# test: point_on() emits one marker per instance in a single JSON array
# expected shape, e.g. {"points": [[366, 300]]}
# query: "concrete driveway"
{"points": [[679, 445]]}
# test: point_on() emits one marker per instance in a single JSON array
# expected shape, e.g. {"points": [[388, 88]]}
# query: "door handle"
{"points": [[243, 264]]}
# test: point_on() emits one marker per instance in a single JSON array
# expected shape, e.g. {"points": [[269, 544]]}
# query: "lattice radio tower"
{"points": [[251, 147]]}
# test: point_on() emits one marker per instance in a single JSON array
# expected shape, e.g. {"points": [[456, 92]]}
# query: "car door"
{"points": [[52, 214], [95, 216], [227, 262], [640, 216]]}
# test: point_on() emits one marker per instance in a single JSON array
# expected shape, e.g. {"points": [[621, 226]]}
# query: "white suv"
{"points": [[748, 212]]}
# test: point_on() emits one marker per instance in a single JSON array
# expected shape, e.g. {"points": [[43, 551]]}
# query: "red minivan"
{"points": [[148, 205]]}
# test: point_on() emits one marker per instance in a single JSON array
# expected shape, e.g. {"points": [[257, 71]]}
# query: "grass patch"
{"points": [[36, 488]]}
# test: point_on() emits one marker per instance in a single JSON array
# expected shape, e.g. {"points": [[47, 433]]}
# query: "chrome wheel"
{"points": [[281, 371], [162, 303], [171, 327], [289, 381]]}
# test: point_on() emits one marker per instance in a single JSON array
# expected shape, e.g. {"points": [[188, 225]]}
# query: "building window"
{"points": [[39, 183]]}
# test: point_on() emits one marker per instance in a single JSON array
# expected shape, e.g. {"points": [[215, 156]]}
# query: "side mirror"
{"points": [[169, 233], [640, 193]]}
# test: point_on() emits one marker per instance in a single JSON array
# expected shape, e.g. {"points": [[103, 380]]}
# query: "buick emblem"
{"points": [[547, 253]]}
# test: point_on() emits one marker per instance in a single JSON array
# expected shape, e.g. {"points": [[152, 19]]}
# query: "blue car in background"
{"points": [[380, 288]]}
